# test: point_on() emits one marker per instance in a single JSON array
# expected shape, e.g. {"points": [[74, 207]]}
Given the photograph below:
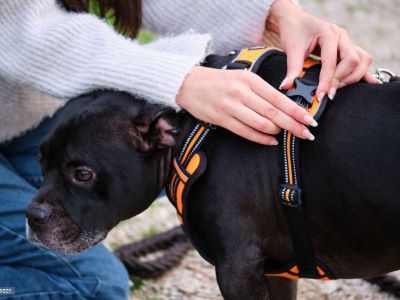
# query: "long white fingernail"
{"points": [[332, 93], [321, 96], [284, 82], [274, 143], [310, 121], [308, 135]]}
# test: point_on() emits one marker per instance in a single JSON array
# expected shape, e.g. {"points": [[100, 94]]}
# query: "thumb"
{"points": [[295, 61]]}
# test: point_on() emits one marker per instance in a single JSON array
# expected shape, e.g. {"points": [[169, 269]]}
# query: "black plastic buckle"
{"points": [[239, 65], [295, 193], [303, 93]]}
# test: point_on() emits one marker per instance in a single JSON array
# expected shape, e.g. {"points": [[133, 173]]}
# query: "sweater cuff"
{"points": [[164, 65]]}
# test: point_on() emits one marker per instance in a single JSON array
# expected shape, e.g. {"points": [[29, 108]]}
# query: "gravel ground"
{"points": [[372, 25]]}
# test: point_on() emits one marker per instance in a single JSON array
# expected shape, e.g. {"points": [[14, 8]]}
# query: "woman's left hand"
{"points": [[301, 34]]}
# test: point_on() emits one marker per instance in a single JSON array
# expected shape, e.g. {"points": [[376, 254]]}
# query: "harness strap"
{"points": [[290, 192], [186, 167]]}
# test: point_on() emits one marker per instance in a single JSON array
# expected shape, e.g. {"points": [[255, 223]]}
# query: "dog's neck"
{"points": [[187, 122]]}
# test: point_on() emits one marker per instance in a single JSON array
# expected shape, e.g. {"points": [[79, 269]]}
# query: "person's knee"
{"points": [[114, 279], [116, 282]]}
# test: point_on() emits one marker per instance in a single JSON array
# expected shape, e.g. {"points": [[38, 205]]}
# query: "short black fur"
{"points": [[350, 176]]}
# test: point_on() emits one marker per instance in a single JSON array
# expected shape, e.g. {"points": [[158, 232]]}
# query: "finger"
{"points": [[370, 78], [267, 94], [349, 60], [254, 120], [277, 117], [247, 132], [361, 70], [329, 47], [295, 62]]}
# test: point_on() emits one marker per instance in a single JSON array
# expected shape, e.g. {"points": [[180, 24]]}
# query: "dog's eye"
{"points": [[82, 174]]}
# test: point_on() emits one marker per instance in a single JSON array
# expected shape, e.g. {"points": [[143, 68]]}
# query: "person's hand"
{"points": [[301, 34], [243, 103]]}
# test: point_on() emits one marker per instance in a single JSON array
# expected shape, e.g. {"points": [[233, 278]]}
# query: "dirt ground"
{"points": [[371, 24]]}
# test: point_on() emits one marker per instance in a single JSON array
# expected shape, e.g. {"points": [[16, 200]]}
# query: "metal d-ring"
{"points": [[381, 72]]}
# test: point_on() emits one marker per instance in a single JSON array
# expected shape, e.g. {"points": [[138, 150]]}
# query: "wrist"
{"points": [[186, 85], [281, 10]]}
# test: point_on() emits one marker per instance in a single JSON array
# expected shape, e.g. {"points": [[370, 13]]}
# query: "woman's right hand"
{"points": [[243, 103]]}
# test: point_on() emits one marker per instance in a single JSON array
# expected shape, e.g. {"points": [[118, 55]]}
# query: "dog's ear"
{"points": [[154, 130]]}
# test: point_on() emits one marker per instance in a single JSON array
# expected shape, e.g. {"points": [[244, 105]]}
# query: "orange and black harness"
{"points": [[191, 163]]}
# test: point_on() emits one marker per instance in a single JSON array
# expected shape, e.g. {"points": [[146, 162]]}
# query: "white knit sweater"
{"points": [[48, 55]]}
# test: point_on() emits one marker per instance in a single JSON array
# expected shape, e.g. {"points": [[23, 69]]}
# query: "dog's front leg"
{"points": [[241, 276], [282, 288]]}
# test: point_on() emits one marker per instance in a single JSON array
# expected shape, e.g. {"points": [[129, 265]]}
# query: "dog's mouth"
{"points": [[66, 239]]}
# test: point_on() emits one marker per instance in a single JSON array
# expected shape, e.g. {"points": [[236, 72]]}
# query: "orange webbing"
{"points": [[285, 275], [287, 195], [192, 143], [312, 110], [314, 107], [308, 63], [252, 54], [289, 156], [294, 273], [179, 194], [178, 170], [192, 166]]}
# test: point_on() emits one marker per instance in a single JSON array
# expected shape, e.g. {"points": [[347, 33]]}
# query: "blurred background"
{"points": [[374, 26]]}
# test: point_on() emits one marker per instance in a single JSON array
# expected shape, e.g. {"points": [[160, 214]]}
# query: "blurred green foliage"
{"points": [[146, 36], [143, 37], [355, 6]]}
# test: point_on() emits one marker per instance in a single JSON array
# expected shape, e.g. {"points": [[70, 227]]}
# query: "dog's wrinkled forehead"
{"points": [[99, 117]]}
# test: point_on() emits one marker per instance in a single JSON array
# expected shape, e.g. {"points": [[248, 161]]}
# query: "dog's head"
{"points": [[105, 161]]}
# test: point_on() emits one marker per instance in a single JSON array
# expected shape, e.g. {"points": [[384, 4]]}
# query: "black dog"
{"points": [[110, 155]]}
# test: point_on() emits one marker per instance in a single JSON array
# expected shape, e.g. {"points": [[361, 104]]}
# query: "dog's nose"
{"points": [[37, 217]]}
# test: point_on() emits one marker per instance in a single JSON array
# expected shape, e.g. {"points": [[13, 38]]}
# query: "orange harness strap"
{"points": [[191, 162], [188, 166]]}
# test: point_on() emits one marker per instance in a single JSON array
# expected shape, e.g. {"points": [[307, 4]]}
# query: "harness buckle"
{"points": [[303, 93], [239, 65], [290, 195]]}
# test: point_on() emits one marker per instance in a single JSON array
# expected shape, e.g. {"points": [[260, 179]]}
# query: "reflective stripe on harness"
{"points": [[186, 167], [191, 163], [305, 264]]}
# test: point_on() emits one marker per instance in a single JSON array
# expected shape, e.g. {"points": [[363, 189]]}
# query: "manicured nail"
{"points": [[341, 85], [284, 82], [321, 96], [308, 135], [274, 143], [310, 121], [332, 93]]}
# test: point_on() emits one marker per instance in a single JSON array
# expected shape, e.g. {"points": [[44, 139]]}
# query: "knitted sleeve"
{"points": [[65, 54], [233, 24]]}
